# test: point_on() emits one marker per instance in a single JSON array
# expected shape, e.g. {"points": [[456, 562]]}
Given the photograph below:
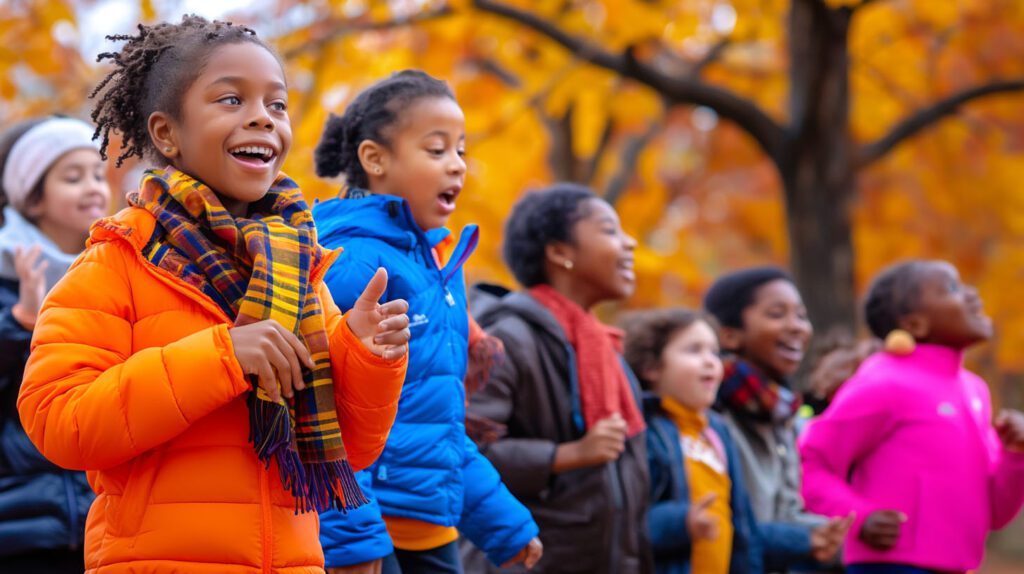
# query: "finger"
{"points": [[40, 268], [396, 323], [296, 344], [705, 502], [371, 295], [396, 307], [295, 379], [395, 339], [282, 370], [268, 382], [395, 353]]}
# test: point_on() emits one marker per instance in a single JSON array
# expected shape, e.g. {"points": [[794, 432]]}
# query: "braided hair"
{"points": [[371, 116], [893, 295], [151, 73]]}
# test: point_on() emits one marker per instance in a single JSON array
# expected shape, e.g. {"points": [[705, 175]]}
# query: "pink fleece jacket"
{"points": [[913, 433]]}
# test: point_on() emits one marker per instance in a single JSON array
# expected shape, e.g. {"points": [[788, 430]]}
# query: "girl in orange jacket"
{"points": [[191, 361]]}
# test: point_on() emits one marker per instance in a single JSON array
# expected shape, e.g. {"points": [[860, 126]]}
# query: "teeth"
{"points": [[264, 151]]}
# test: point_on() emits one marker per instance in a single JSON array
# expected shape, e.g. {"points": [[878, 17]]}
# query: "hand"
{"points": [[882, 528], [273, 354], [371, 567], [1010, 428], [528, 556], [603, 443], [828, 538], [700, 523], [31, 270], [837, 366], [383, 329]]}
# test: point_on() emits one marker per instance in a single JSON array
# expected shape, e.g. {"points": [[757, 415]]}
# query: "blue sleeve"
{"points": [[350, 273], [14, 339], [785, 544], [492, 518], [666, 522], [356, 536]]}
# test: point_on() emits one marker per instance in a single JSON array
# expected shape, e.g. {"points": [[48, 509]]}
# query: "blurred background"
{"points": [[832, 136]]}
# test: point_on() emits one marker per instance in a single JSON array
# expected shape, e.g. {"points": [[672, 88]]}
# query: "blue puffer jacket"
{"points": [[42, 507], [670, 499], [429, 470]]}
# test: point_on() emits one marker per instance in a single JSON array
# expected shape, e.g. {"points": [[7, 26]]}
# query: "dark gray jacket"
{"points": [[592, 519]]}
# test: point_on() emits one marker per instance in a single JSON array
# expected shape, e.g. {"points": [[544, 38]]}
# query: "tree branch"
{"points": [[925, 117], [630, 154], [686, 90], [341, 28]]}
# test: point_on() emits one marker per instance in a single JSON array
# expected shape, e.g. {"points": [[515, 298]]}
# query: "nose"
{"points": [[457, 166], [628, 241], [259, 118]]}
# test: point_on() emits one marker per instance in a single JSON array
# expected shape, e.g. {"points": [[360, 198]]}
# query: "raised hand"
{"points": [[528, 556], [31, 272], [881, 529], [382, 328], [273, 354], [700, 522], [1009, 426], [603, 443]]}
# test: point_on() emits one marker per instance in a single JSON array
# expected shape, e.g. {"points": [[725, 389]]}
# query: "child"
{"points": [[191, 360], [700, 518], [764, 334], [908, 444], [400, 146], [53, 187], [575, 445]]}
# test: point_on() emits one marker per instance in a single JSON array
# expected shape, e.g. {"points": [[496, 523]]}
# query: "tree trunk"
{"points": [[817, 164]]}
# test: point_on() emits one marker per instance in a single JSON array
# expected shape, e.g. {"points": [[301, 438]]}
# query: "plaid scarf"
{"points": [[258, 267], [747, 392]]}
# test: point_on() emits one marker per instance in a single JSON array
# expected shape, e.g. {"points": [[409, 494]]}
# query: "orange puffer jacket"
{"points": [[133, 378]]}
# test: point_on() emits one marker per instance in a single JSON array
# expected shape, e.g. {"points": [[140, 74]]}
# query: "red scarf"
{"points": [[604, 388]]}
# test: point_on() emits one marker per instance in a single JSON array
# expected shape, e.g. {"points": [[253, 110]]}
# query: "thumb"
{"points": [[374, 290], [705, 502]]}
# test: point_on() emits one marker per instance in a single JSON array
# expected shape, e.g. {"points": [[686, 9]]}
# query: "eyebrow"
{"points": [[444, 134], [239, 79]]}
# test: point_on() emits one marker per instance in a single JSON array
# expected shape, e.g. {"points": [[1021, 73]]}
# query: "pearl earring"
{"points": [[568, 264]]}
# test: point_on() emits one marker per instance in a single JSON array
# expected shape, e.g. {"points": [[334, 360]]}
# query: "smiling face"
{"points": [[234, 131], [75, 194], [690, 370], [601, 257], [775, 331], [424, 162], [947, 312]]}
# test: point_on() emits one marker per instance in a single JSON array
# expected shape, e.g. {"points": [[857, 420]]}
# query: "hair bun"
{"points": [[331, 154]]}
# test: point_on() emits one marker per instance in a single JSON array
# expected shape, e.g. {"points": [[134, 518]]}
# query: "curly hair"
{"points": [[538, 219], [371, 116], [893, 294], [152, 72], [649, 332], [733, 293]]}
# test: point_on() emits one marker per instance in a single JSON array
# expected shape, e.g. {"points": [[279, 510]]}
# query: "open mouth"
{"points": [[625, 267], [791, 351], [253, 154]]}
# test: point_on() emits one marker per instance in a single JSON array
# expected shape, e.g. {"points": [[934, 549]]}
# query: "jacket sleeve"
{"points": [[366, 388], [525, 464], [785, 544], [666, 522], [1006, 485], [492, 518], [833, 443], [87, 401], [356, 536], [14, 339]]}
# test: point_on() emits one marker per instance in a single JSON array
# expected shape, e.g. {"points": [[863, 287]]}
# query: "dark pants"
{"points": [[441, 560], [887, 569], [49, 561]]}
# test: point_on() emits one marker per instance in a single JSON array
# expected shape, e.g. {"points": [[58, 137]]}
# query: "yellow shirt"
{"points": [[412, 534], [706, 473]]}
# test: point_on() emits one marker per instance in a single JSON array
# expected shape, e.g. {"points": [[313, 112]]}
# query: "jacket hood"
{"points": [[383, 217], [491, 303]]}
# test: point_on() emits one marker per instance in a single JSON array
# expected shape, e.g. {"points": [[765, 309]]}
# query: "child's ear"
{"points": [[917, 325], [730, 338], [560, 255], [373, 157], [163, 131]]}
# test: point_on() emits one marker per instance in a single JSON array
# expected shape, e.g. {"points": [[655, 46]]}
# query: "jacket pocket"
{"points": [[126, 513]]}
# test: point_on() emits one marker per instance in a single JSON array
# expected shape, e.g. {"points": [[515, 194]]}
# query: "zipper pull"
{"points": [[382, 472], [449, 297]]}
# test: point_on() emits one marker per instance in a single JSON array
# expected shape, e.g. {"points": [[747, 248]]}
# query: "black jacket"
{"points": [[591, 519], [42, 506]]}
